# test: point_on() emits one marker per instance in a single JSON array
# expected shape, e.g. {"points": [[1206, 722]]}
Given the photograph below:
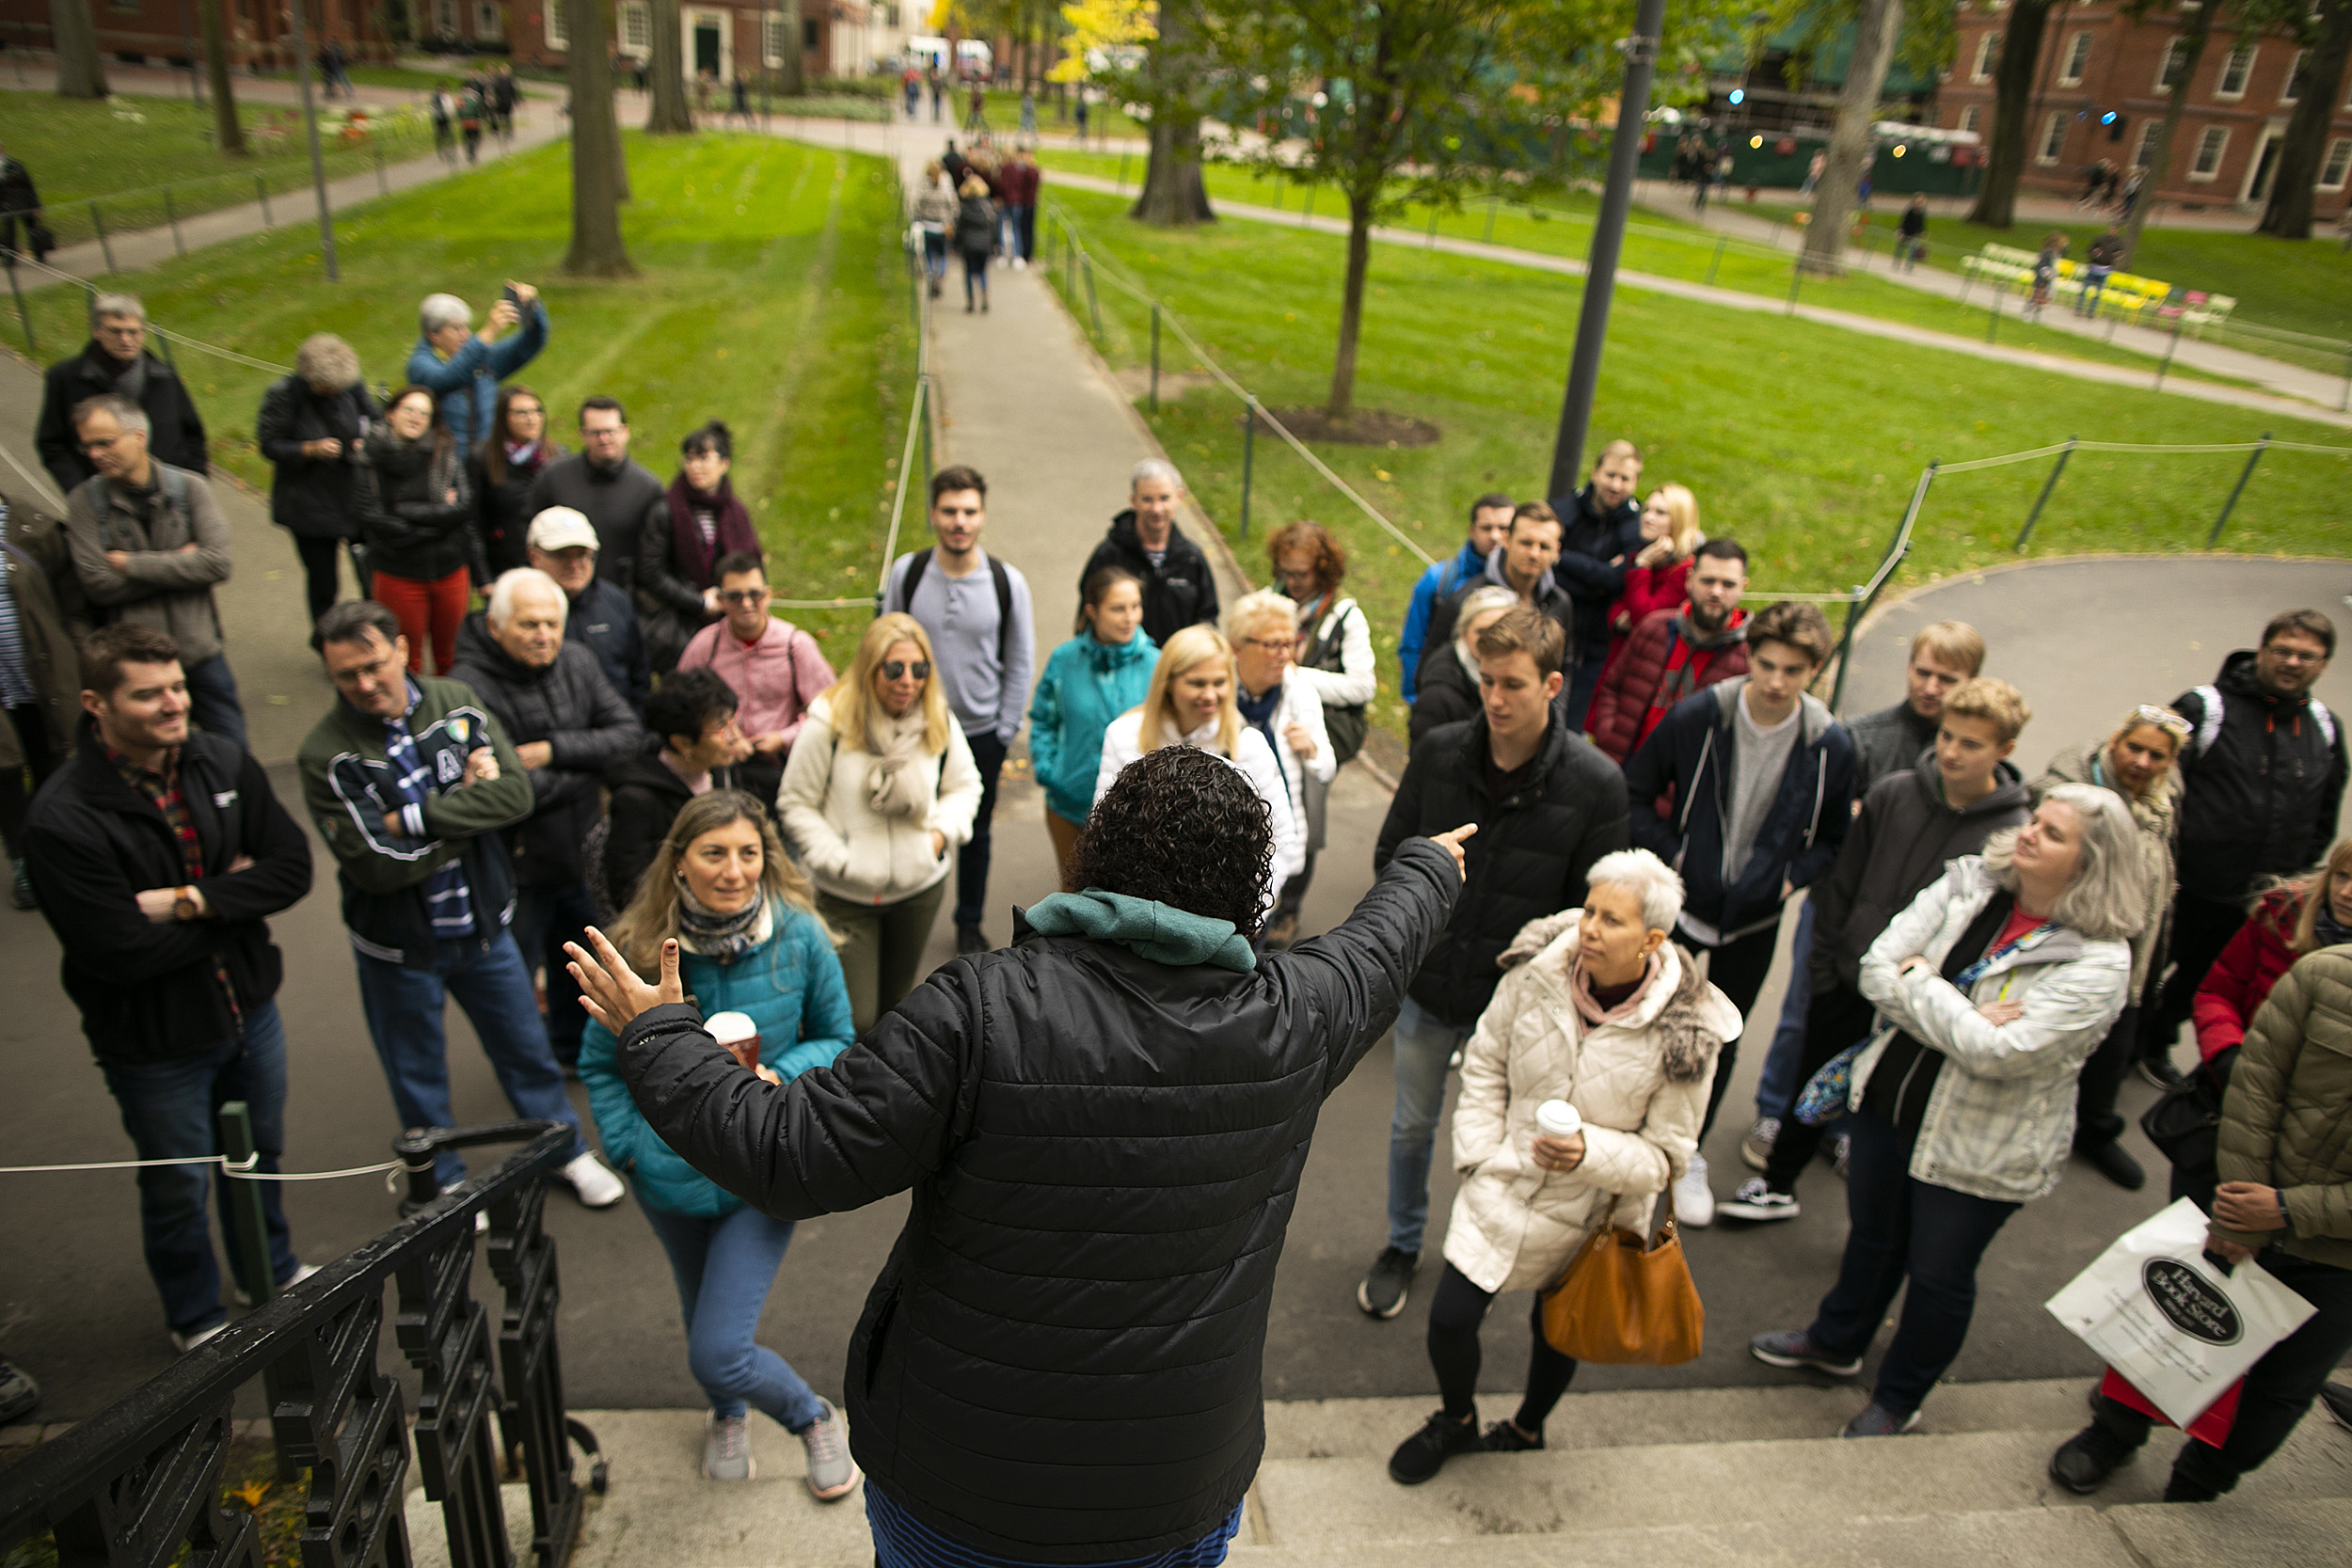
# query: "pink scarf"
{"points": [[1588, 1007]]}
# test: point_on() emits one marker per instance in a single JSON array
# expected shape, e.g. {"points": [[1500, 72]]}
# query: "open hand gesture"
{"points": [[610, 990]]}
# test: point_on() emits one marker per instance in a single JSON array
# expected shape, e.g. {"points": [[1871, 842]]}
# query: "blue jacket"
{"points": [[468, 381], [1689, 756], [1435, 584], [791, 986], [1086, 684]]}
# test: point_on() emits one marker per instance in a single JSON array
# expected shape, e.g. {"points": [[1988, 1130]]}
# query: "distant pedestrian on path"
{"points": [[935, 212], [158, 855], [116, 360], [977, 609], [311, 428], [1179, 590], [2105, 255], [975, 237], [1091, 680], [1812, 173], [2045, 266], [410, 781], [1081, 112], [1911, 231], [20, 205], [444, 112]]}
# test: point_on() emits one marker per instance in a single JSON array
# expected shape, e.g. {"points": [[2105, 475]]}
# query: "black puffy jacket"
{"points": [[148, 992], [571, 707], [2261, 794], [501, 507], [1528, 858], [311, 497], [1061, 1363], [1178, 593], [413, 528]]}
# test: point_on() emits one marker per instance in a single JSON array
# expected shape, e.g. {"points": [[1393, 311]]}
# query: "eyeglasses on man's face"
{"points": [[744, 595]]}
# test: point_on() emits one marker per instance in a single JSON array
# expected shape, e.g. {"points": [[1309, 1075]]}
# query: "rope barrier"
{"points": [[180, 338], [244, 1167], [1256, 409]]}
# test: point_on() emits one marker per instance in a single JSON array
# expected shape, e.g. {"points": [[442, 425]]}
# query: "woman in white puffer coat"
{"points": [[1611, 1017]]}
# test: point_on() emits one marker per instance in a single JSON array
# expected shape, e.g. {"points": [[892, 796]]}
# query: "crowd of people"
{"points": [[980, 205], [577, 771]]}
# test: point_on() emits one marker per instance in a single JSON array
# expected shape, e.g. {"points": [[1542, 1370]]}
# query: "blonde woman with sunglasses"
{"points": [[2135, 763], [881, 788]]}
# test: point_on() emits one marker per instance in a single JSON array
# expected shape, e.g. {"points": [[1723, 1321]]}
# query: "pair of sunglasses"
{"points": [[895, 669], [2164, 718]]}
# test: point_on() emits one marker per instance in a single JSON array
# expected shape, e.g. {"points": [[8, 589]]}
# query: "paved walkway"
{"points": [[2327, 391]]}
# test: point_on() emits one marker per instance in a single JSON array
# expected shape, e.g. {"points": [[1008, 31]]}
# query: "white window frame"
{"points": [[445, 18], [2150, 127], [2295, 68], [774, 36], [2077, 60], [2338, 164], [2241, 60], [2164, 64], [557, 25], [2213, 145], [1971, 117], [636, 23], [1988, 52], [488, 22], [2048, 146]]}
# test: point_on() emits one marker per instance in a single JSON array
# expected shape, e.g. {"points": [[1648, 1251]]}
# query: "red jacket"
{"points": [[1647, 589], [1625, 706], [2240, 979]]}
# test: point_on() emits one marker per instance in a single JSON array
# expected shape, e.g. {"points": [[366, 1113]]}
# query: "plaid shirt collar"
{"points": [[162, 787]]}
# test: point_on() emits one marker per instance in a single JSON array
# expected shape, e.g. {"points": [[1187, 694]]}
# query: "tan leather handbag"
{"points": [[1621, 1305]]}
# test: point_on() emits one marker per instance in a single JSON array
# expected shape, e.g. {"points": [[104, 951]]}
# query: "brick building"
{"points": [[167, 32], [2096, 61], [727, 38]]}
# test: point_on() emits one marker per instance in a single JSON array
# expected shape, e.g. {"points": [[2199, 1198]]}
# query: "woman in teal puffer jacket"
{"points": [[750, 942], [1091, 680]]}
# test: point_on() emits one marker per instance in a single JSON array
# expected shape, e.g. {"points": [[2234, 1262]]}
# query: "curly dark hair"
{"points": [[1181, 827]]}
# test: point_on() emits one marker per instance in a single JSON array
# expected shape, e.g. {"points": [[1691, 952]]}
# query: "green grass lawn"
{"points": [[128, 151], [772, 296], [2296, 285], [1801, 440], [1661, 247]]}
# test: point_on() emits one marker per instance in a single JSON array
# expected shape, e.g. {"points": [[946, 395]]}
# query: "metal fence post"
{"points": [[2164, 364], [923, 392], [249, 1233], [1992, 321], [171, 215], [1434, 211], [1856, 608], [1094, 305], [24, 317], [1248, 456], [2238, 489], [2343, 405], [1121, 185], [261, 188], [1155, 356], [1718, 260], [1796, 281], [2043, 499], [1489, 237], [105, 247]]}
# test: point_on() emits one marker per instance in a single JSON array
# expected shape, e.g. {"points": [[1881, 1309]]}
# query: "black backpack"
{"points": [[997, 575]]}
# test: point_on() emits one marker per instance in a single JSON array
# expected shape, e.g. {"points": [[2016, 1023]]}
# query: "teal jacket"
{"points": [[1085, 685], [791, 987]]}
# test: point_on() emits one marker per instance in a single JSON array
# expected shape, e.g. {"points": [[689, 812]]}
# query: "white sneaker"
{"points": [[1695, 1202], [598, 1187], [831, 1470], [1759, 1203], [727, 1449], [1021, 264], [186, 1343]]}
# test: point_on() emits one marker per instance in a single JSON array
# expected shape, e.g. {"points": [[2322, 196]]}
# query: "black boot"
{"points": [[2085, 1461]]}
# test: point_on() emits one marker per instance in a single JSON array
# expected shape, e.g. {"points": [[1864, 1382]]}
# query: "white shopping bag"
{"points": [[2158, 1311]]}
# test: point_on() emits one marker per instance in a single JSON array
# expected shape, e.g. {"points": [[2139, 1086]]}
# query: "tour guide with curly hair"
{"points": [[1103, 1126]]}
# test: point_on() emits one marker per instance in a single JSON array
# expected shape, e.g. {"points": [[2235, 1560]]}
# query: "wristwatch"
{"points": [[183, 905]]}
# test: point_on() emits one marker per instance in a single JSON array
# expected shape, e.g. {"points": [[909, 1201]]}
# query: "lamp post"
{"points": [[311, 124], [1600, 270]]}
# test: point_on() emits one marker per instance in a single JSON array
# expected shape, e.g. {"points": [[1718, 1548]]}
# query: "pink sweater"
{"points": [[774, 678]]}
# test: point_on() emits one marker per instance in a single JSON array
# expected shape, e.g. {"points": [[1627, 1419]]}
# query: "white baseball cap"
{"points": [[562, 528]]}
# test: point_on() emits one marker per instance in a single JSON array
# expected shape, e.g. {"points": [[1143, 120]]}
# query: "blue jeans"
{"points": [[724, 1267], [172, 1109], [213, 698], [1777, 1089], [404, 1009], [545, 919], [1424, 1049], [1905, 1229]]}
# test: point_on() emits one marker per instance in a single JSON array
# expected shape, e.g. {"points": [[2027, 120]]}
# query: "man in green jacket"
{"points": [[2285, 1199], [410, 779]]}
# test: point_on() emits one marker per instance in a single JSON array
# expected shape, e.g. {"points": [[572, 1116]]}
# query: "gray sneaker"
{"points": [[831, 1470], [727, 1449]]}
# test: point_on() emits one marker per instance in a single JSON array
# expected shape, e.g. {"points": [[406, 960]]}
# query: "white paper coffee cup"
{"points": [[1557, 1119]]}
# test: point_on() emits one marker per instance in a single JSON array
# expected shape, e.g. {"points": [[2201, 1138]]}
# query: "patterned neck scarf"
{"points": [[725, 936]]}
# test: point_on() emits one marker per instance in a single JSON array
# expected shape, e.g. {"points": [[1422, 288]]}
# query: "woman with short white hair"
{"points": [[1276, 699], [1993, 987], [310, 428], [1447, 688], [1609, 1015]]}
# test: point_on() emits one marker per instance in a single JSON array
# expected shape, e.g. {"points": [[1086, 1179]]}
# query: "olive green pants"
{"points": [[882, 948]]}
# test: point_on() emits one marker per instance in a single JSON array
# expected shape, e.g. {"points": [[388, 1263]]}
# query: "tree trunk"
{"points": [[80, 74], [669, 108], [2292, 183], [2013, 107], [793, 80], [1351, 307], [598, 169], [2196, 27], [1851, 142], [227, 134], [1172, 191]]}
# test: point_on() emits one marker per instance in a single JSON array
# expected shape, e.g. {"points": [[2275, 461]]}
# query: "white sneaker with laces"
{"points": [[831, 1470], [727, 1449], [1694, 1201], [598, 1187], [1759, 1203], [186, 1343]]}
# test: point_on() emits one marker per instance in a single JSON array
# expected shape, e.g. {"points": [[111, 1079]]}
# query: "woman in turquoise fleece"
{"points": [[750, 942], [1091, 680]]}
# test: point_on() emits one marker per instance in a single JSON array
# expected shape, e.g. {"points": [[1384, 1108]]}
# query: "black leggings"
{"points": [[319, 572], [20, 784], [1454, 1313]]}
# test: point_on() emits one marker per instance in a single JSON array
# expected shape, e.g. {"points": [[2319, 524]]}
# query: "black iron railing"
{"points": [[140, 1483]]}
